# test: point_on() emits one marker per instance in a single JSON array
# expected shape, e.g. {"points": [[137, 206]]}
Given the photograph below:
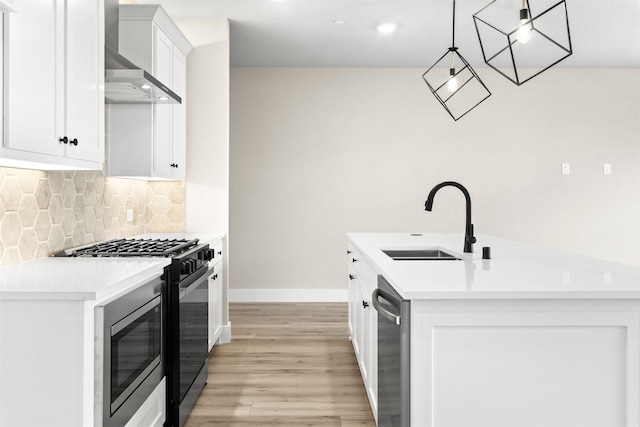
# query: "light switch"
{"points": [[129, 215], [606, 168], [566, 169]]}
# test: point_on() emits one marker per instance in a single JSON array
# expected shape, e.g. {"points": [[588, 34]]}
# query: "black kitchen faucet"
{"points": [[469, 239]]}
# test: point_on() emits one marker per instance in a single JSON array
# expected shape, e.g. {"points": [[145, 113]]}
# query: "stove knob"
{"points": [[208, 254], [187, 266]]}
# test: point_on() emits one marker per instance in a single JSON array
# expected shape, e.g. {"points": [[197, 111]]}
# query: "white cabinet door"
{"points": [[84, 71], [215, 304], [163, 129], [54, 69], [364, 334], [369, 283], [179, 116], [31, 70]]}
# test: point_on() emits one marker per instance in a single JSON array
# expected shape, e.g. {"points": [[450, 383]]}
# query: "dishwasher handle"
{"points": [[392, 317]]}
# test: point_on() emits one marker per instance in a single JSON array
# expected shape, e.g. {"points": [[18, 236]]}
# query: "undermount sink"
{"points": [[419, 254]]}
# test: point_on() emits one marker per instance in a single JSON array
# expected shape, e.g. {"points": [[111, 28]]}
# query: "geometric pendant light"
{"points": [[520, 42], [453, 82]]}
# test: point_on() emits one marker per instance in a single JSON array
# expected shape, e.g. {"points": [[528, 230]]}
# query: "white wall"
{"points": [[316, 153], [207, 182]]}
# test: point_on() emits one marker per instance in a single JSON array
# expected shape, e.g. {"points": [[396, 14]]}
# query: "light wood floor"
{"points": [[287, 365]]}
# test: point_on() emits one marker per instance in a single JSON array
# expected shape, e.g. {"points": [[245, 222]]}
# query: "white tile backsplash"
{"points": [[44, 212]]}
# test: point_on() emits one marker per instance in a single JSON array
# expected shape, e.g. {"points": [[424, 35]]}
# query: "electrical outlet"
{"points": [[129, 215], [566, 169], [606, 168]]}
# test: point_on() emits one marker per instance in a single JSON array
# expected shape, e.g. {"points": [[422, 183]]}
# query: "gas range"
{"points": [[133, 248], [188, 255]]}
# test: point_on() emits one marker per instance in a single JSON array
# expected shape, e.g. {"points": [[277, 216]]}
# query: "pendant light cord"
{"points": [[453, 38], [453, 35]]}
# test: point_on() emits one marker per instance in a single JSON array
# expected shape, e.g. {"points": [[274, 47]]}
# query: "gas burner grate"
{"points": [[136, 248]]}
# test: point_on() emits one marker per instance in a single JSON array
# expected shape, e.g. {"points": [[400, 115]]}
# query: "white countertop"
{"points": [[91, 279], [515, 271], [96, 279]]}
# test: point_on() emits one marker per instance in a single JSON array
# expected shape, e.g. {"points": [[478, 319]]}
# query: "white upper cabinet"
{"points": [[149, 140], [54, 85]]}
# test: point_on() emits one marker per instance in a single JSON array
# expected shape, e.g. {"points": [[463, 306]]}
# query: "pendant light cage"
{"points": [[453, 82], [468, 92], [500, 26]]}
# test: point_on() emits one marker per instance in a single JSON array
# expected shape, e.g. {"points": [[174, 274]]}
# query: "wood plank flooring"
{"points": [[287, 365]]}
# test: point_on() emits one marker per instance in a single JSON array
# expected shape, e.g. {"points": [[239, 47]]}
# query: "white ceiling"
{"points": [[301, 33]]}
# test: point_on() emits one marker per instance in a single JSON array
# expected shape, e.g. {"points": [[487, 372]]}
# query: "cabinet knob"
{"points": [[219, 252], [365, 304], [215, 276], [351, 277], [64, 140], [354, 260], [74, 141], [348, 252]]}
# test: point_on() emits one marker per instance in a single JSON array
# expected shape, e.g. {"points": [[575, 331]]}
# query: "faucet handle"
{"points": [[470, 237]]}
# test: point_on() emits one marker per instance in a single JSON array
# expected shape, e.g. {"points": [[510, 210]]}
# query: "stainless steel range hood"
{"points": [[126, 83]]}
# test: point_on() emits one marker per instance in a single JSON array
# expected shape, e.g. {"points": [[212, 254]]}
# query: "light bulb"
{"points": [[452, 83], [387, 27], [524, 31]]}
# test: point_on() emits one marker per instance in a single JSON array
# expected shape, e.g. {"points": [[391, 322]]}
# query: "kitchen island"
{"points": [[531, 337]]}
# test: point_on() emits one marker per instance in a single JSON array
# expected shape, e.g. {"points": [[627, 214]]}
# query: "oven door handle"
{"points": [[193, 286], [392, 317], [120, 325]]}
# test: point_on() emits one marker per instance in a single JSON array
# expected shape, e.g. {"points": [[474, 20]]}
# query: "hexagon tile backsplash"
{"points": [[44, 212]]}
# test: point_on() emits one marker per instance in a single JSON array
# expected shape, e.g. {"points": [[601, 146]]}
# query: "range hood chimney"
{"points": [[126, 83]]}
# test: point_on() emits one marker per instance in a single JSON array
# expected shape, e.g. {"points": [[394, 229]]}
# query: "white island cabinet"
{"points": [[48, 351], [54, 91], [531, 337], [363, 326]]}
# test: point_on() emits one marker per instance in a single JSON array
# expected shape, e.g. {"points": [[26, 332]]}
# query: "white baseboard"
{"points": [[225, 335], [288, 295]]}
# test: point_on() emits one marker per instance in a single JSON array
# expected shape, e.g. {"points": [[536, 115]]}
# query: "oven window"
{"points": [[135, 351], [193, 334]]}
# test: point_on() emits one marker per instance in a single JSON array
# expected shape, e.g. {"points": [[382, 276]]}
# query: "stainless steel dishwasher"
{"points": [[394, 361]]}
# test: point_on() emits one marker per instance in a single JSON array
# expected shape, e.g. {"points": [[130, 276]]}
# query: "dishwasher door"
{"points": [[394, 315]]}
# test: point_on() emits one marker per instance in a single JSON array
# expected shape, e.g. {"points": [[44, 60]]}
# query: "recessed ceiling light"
{"points": [[338, 22], [387, 27]]}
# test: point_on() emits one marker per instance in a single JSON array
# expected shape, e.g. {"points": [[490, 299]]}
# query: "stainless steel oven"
{"points": [[129, 352], [188, 320]]}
